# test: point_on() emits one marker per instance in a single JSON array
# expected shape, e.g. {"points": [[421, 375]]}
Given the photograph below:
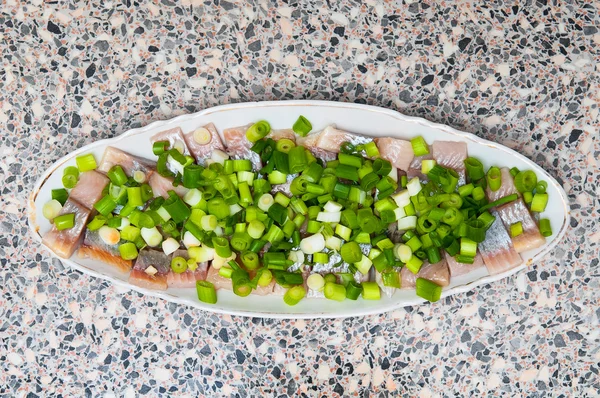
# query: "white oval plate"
{"points": [[368, 120]]}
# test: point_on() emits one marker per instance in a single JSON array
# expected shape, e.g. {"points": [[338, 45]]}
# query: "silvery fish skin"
{"points": [[516, 211], [398, 152], [128, 162], [326, 144], [162, 185], [437, 273], [175, 138], [497, 249], [89, 188], [201, 152], [452, 155], [66, 241], [156, 258], [94, 247], [507, 187]]}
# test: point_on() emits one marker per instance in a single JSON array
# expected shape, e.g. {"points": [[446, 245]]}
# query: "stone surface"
{"points": [[525, 76]]}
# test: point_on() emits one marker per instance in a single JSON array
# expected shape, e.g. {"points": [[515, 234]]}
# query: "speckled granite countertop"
{"points": [[525, 76]]}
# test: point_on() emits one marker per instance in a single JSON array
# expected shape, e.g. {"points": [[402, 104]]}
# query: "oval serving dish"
{"points": [[361, 119]]}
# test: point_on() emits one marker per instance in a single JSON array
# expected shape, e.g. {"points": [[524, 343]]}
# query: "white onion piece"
{"points": [[265, 201], [151, 236], [110, 236], [124, 223], [399, 212], [189, 240], [407, 223], [329, 216], [233, 209], [163, 213], [51, 209], [139, 176], [364, 265], [402, 252], [175, 164], [402, 198], [202, 136], [332, 206], [394, 174], [219, 156], [151, 270], [201, 254], [169, 246], [179, 145], [333, 243], [192, 197], [219, 261], [315, 282], [414, 186], [297, 256], [313, 244], [219, 230]]}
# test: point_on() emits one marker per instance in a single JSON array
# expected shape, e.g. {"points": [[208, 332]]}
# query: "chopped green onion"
{"points": [[414, 264], [86, 162], [494, 178], [176, 208], [419, 146], [371, 149], [341, 190], [69, 181], [64, 221], [382, 167], [516, 229], [370, 291], [474, 169], [391, 279], [351, 252], [105, 206], [545, 227], [258, 131], [277, 177], [468, 247], [294, 295], [302, 126], [221, 246], [334, 291], [297, 160], [206, 292], [218, 208], [179, 265], [134, 196], [250, 260], [525, 181], [61, 195], [128, 251], [504, 200], [527, 197], [347, 172], [353, 290], [130, 233], [241, 241], [478, 193], [541, 187], [433, 255], [428, 290], [539, 202], [466, 190], [265, 276], [487, 218], [117, 175]]}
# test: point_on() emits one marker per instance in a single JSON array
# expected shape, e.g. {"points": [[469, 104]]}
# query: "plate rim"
{"points": [[34, 228]]}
